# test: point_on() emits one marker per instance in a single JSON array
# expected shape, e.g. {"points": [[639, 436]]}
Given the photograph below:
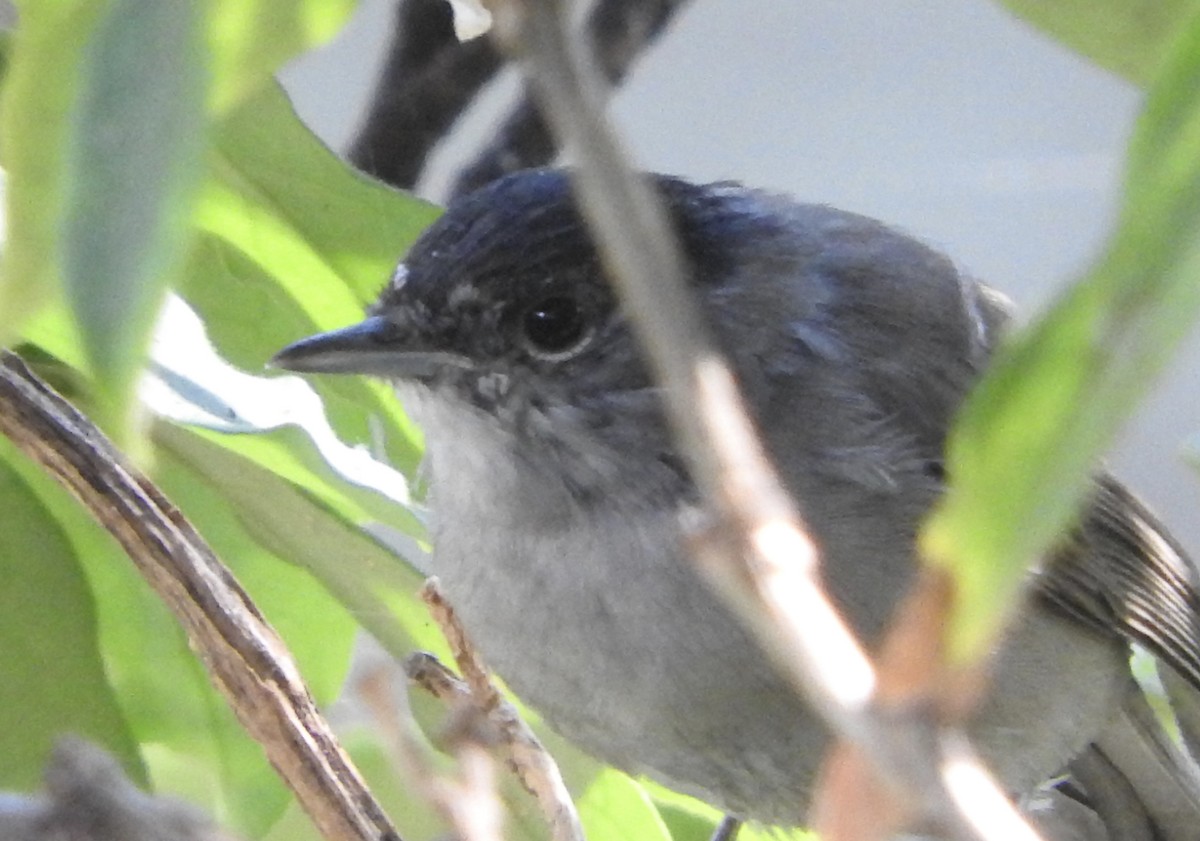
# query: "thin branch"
{"points": [[764, 562], [430, 79], [522, 141], [467, 800], [244, 656], [619, 31], [424, 30], [427, 83], [520, 747], [479, 684]]}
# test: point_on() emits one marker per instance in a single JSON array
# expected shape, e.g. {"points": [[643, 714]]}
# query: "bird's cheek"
{"points": [[493, 387]]}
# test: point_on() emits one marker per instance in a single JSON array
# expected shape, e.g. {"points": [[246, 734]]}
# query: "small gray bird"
{"points": [[557, 492]]}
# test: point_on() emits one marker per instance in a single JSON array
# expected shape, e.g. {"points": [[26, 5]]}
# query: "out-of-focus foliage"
{"points": [[1129, 37], [145, 144], [1026, 444]]}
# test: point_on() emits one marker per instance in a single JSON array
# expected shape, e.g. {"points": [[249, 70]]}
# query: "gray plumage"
{"points": [[557, 489]]}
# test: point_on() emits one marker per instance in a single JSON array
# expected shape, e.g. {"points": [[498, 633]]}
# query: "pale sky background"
{"points": [[947, 118]]}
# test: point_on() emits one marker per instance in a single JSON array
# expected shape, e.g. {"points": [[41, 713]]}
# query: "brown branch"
{"points": [[519, 746], [244, 656], [758, 552]]}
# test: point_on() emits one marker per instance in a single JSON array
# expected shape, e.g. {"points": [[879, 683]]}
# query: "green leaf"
{"points": [[686, 818], [250, 39], [1024, 448], [358, 227], [288, 453], [756, 832], [308, 529], [689, 819], [289, 230], [40, 88], [52, 678], [615, 807], [283, 496], [1129, 37], [191, 742], [103, 132], [133, 152]]}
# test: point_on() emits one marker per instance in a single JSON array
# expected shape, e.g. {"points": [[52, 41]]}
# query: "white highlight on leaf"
{"points": [[188, 382]]}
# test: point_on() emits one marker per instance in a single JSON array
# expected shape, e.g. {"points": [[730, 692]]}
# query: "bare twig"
{"points": [[619, 30], [521, 749], [776, 590], [468, 800], [244, 656], [428, 82], [430, 79], [522, 141], [479, 682]]}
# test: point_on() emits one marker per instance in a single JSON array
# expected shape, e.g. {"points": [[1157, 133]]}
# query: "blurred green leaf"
{"points": [[159, 684], [689, 819], [40, 87], [52, 679], [103, 128], [102, 131], [287, 453], [686, 818], [191, 741], [134, 144], [296, 524], [249, 40], [757, 832], [615, 808], [231, 292], [358, 227], [1024, 448], [1129, 37]]}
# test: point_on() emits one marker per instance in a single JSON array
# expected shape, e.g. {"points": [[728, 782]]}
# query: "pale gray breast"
{"points": [[597, 620], [594, 616]]}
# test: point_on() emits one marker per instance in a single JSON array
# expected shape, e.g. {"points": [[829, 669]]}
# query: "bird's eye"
{"points": [[555, 327]]}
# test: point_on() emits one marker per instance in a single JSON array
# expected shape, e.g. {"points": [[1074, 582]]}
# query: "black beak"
{"points": [[373, 347]]}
